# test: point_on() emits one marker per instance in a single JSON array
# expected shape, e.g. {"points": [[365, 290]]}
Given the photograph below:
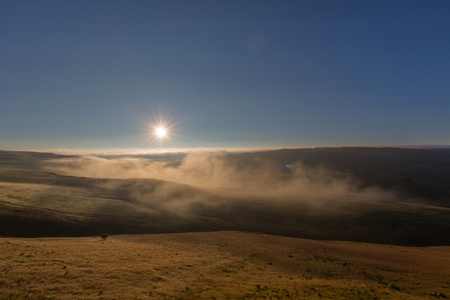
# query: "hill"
{"points": [[26, 159], [218, 265], [422, 173], [340, 194]]}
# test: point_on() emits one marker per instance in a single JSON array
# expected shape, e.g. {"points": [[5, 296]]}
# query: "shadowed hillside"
{"points": [[26, 160], [329, 193], [423, 173]]}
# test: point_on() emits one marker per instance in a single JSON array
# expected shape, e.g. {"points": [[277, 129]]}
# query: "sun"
{"points": [[160, 132], [160, 129]]}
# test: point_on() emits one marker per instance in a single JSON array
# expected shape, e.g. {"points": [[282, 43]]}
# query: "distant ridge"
{"points": [[426, 146]]}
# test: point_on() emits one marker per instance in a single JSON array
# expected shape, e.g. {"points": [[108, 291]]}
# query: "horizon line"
{"points": [[175, 150]]}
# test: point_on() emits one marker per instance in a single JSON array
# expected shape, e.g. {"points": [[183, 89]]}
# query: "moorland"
{"points": [[380, 195], [218, 265], [333, 223]]}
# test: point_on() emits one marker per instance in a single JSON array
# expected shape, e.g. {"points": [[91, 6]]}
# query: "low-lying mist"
{"points": [[270, 192], [222, 175]]}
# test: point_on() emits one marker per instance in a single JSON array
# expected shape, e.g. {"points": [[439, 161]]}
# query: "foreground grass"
{"points": [[217, 265]]}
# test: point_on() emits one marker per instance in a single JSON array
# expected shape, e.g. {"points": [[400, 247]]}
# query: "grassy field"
{"points": [[218, 265]]}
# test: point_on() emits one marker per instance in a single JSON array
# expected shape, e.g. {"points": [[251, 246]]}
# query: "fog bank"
{"points": [[224, 174]]}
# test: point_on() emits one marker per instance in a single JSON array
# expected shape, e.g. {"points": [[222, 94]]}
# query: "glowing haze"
{"points": [[91, 75], [220, 175]]}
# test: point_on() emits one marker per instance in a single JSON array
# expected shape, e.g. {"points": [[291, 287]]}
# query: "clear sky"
{"points": [[94, 74]]}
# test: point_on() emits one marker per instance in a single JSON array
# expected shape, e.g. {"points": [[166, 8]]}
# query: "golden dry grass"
{"points": [[217, 265]]}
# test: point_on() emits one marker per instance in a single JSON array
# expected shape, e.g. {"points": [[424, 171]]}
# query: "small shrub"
{"points": [[104, 236]]}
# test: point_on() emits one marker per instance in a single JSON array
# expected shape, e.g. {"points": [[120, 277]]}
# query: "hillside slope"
{"points": [[42, 204], [380, 195], [219, 265], [423, 173]]}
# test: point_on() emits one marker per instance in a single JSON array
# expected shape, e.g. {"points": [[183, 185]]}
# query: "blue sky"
{"points": [[94, 74]]}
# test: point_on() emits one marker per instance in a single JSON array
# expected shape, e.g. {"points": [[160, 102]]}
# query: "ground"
{"points": [[218, 265]]}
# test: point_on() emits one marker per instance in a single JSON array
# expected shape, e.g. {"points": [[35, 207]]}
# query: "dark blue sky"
{"points": [[93, 74]]}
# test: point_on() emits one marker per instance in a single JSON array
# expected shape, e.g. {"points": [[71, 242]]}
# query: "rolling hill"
{"points": [[35, 202]]}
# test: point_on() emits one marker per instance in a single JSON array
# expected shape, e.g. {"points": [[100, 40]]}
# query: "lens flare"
{"points": [[161, 132]]}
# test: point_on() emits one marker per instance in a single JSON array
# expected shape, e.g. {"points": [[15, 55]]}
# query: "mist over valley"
{"points": [[381, 195]]}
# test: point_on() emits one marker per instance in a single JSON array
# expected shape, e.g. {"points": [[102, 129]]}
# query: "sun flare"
{"points": [[161, 132], [160, 129]]}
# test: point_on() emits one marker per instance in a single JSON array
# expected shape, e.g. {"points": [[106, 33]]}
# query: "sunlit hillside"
{"points": [[218, 265]]}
